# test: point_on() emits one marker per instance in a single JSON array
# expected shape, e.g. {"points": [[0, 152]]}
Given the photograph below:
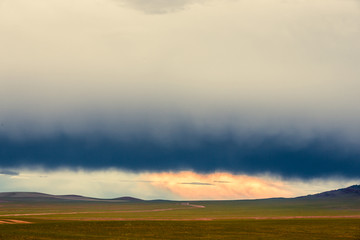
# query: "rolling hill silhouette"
{"points": [[349, 192], [352, 191]]}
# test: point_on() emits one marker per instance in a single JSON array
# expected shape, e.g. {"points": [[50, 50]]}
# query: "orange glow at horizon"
{"points": [[220, 185]]}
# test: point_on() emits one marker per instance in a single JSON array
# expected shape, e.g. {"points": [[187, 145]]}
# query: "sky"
{"points": [[181, 99]]}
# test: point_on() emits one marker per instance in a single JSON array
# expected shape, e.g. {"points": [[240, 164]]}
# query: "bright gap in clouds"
{"points": [[184, 185]]}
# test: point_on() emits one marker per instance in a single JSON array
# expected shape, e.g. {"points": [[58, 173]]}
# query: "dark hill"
{"points": [[352, 191], [349, 192], [35, 196], [24, 195], [128, 199]]}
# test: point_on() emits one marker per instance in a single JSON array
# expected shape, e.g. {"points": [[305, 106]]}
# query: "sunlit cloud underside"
{"points": [[185, 185]]}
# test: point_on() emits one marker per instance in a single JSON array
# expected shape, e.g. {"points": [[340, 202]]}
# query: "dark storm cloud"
{"points": [[8, 172], [322, 155]]}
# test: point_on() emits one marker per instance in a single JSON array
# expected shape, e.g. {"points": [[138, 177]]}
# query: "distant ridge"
{"points": [[129, 199], [349, 192], [352, 191], [22, 194], [35, 196]]}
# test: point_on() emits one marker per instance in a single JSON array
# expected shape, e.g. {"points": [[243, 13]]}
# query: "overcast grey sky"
{"points": [[135, 68], [263, 61]]}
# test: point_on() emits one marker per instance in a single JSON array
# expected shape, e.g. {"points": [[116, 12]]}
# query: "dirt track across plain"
{"points": [[73, 213], [13, 221], [211, 219]]}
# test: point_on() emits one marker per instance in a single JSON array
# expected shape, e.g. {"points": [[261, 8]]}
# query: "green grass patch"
{"points": [[230, 229]]}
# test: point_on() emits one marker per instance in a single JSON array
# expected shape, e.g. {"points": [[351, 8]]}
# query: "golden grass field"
{"points": [[302, 218]]}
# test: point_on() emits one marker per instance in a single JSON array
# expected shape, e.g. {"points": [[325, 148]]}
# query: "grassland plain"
{"points": [[82, 210], [221, 229], [299, 218]]}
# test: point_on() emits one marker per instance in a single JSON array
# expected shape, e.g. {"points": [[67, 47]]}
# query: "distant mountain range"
{"points": [[352, 191], [35, 196]]}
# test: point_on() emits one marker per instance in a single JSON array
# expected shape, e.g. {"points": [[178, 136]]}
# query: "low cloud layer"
{"points": [[159, 6], [197, 183], [8, 172], [321, 155]]}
